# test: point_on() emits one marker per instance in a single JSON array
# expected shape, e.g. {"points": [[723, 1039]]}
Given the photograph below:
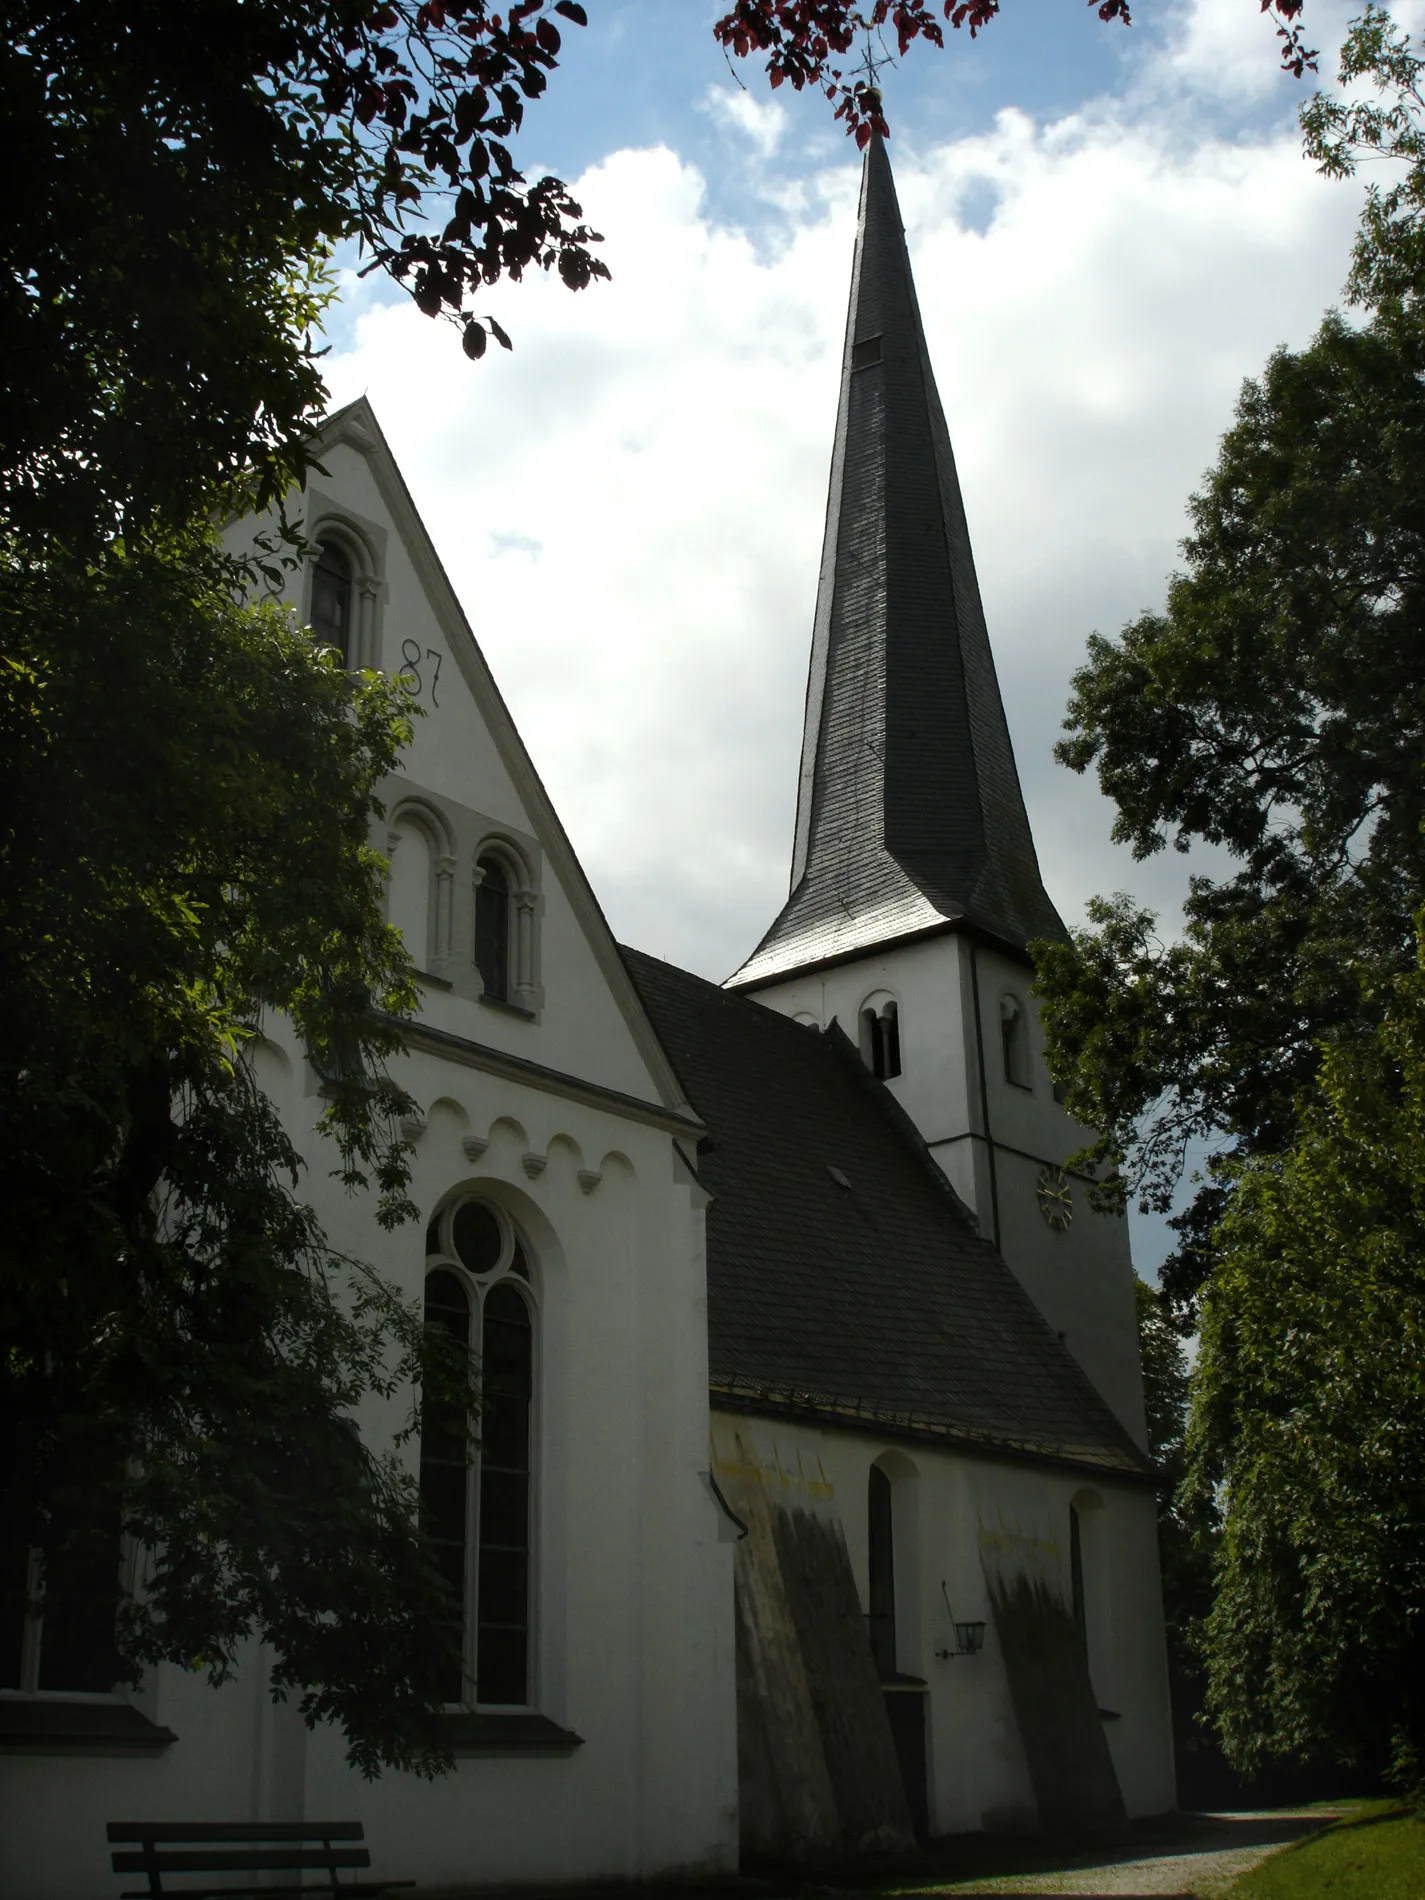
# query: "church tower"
{"points": [[915, 888]]}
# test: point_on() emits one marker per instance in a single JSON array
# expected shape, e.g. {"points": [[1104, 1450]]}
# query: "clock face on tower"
{"points": [[1056, 1199]]}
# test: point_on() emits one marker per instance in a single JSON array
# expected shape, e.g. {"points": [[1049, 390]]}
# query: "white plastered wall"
{"points": [[633, 1587], [945, 1505]]}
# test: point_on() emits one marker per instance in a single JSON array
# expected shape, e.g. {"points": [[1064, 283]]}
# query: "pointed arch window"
{"points": [[476, 1484], [331, 598]]}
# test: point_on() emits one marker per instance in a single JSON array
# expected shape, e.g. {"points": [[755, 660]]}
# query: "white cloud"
{"points": [[631, 504], [761, 121]]}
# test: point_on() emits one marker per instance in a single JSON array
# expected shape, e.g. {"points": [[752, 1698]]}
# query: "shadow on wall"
{"points": [[818, 1777], [1055, 1707]]}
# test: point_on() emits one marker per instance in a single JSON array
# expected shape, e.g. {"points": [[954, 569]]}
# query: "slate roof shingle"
{"points": [[909, 811], [875, 1299]]}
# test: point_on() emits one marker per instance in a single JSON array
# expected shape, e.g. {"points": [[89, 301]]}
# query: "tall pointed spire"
{"points": [[909, 810]]}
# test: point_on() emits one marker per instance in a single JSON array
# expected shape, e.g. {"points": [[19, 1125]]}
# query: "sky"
{"points": [[1110, 229]]}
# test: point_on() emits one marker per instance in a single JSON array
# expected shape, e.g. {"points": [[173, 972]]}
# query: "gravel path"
{"points": [[1210, 1851]]}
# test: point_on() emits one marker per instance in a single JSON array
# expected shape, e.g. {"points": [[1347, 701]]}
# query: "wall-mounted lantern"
{"points": [[969, 1637]]}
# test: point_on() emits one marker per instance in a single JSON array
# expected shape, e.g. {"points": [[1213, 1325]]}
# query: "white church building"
{"points": [[815, 1514]]}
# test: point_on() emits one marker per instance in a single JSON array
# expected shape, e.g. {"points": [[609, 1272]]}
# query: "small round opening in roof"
{"points": [[477, 1237]]}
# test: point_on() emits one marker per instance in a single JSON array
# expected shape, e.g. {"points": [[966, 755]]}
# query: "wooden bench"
{"points": [[242, 1847]]}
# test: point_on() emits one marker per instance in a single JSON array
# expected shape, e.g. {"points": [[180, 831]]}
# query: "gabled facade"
{"points": [[593, 1718]]}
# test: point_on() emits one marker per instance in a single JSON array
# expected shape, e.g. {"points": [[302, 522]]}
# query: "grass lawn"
{"points": [[1378, 1854]]}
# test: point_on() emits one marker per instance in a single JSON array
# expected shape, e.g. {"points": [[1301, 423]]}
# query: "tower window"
{"points": [[866, 352], [492, 929], [880, 1037], [331, 598], [1014, 1040]]}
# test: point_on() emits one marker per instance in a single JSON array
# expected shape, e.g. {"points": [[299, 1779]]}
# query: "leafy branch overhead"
{"points": [[806, 41], [174, 199]]}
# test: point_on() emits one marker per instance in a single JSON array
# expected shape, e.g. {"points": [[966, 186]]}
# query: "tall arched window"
{"points": [[331, 598], [880, 1527], [880, 1036], [492, 928], [408, 902], [475, 1485], [1014, 1040]]}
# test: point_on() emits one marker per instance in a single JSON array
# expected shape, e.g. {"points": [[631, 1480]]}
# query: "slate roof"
{"points": [[845, 1277], [909, 809]]}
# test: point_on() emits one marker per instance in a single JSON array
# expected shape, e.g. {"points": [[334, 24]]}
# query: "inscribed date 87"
{"points": [[420, 671]]}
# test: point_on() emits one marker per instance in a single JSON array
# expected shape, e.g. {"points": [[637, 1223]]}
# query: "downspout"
{"points": [[984, 1089]]}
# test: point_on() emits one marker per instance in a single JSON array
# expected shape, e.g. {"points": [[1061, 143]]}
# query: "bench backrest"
{"points": [[236, 1847]]}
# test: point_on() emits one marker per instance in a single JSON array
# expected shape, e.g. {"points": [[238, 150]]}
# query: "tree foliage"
{"points": [[184, 1350], [173, 189], [1276, 710], [1388, 259], [1309, 1416], [806, 41]]}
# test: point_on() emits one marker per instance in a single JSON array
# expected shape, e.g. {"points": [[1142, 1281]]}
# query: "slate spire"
{"points": [[909, 810]]}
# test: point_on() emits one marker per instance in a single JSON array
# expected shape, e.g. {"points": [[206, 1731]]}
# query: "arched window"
{"points": [[409, 892], [475, 1484], [1091, 1590], [331, 598], [492, 928], [1014, 1040], [62, 1636], [880, 1528], [880, 1036]]}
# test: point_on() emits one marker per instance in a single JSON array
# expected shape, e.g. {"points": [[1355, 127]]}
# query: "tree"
{"points": [[1388, 259], [173, 196], [1308, 1424], [183, 1348], [1276, 709]]}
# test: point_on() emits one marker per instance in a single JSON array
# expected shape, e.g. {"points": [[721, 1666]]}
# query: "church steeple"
{"points": [[909, 811]]}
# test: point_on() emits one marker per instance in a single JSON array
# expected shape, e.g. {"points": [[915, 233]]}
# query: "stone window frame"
{"points": [[526, 908], [477, 1286], [364, 545], [426, 817]]}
